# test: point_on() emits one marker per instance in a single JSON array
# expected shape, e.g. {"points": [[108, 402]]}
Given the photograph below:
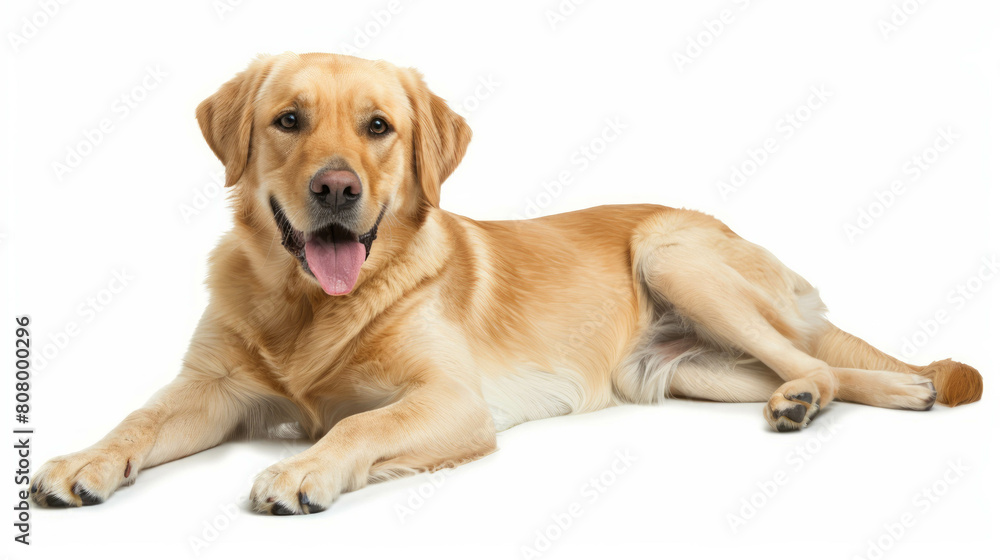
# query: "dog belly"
{"points": [[531, 394]]}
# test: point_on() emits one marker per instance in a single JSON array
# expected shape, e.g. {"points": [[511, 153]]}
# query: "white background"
{"points": [[63, 237]]}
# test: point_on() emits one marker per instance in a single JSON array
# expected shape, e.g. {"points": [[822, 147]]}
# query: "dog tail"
{"points": [[955, 382]]}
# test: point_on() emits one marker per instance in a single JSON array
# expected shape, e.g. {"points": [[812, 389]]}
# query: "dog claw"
{"points": [[309, 507]]}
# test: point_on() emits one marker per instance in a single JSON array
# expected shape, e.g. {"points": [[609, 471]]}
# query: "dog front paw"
{"points": [[85, 478], [296, 486]]}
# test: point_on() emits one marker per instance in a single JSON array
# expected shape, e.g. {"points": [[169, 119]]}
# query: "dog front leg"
{"points": [[200, 409], [433, 425]]}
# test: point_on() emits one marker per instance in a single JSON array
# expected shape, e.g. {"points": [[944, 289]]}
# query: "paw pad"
{"points": [[796, 413], [804, 397]]}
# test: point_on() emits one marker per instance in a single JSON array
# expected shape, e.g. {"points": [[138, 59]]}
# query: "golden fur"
{"points": [[455, 328]]}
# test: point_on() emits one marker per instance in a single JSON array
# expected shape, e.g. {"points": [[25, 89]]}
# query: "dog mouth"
{"points": [[332, 254]]}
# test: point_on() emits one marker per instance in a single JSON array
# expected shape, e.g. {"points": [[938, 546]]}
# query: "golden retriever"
{"points": [[402, 337]]}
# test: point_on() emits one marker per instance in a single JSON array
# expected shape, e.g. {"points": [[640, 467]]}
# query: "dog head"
{"points": [[324, 147]]}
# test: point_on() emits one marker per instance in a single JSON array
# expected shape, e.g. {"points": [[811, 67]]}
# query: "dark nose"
{"points": [[339, 190]]}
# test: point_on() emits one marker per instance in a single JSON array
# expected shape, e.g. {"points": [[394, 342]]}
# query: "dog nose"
{"points": [[339, 189]]}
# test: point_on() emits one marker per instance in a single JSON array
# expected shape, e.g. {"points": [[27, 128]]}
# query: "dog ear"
{"points": [[440, 136], [226, 118]]}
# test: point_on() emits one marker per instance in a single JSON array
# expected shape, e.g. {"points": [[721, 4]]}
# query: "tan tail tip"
{"points": [[956, 383]]}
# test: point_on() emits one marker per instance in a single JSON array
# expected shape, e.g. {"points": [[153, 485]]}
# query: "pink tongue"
{"points": [[336, 265]]}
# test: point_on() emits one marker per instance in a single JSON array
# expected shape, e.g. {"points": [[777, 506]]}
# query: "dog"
{"points": [[401, 337]]}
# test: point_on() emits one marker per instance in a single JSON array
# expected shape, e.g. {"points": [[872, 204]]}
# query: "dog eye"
{"points": [[378, 126], [288, 121]]}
